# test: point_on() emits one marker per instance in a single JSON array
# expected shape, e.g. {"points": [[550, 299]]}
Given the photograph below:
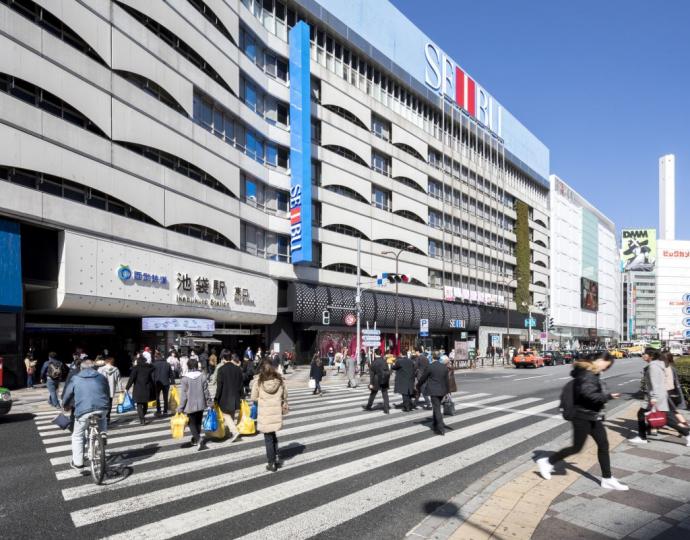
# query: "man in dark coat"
{"points": [[379, 379], [421, 363], [436, 378], [404, 380], [141, 377], [229, 393], [163, 377]]}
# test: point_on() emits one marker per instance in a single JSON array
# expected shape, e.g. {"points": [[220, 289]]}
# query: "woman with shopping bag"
{"points": [[194, 400], [270, 392], [141, 378]]}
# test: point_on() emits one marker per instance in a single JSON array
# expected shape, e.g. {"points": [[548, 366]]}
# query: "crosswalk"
{"points": [[336, 456]]}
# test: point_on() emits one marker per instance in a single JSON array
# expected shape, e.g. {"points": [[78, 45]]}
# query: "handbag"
{"points": [[312, 384], [219, 432], [126, 405], [173, 399], [448, 406], [656, 419], [246, 426], [210, 421], [61, 421]]}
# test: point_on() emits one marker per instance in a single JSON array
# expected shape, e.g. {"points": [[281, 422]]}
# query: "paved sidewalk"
{"points": [[521, 505]]}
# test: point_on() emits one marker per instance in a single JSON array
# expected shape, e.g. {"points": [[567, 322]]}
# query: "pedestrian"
{"points": [[212, 361], [676, 400], [450, 366], [435, 376], [589, 399], [51, 374], [112, 375], [248, 354], [421, 363], [316, 372], [362, 361], [338, 361], [202, 357], [330, 355], [247, 375], [657, 380], [174, 362], [194, 400], [404, 380], [379, 379], [351, 370], [229, 393], [85, 395], [147, 355], [142, 379], [30, 364], [163, 377], [270, 394], [184, 359], [224, 358]]}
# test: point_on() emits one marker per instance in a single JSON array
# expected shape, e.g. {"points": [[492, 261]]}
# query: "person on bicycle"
{"points": [[89, 394]]}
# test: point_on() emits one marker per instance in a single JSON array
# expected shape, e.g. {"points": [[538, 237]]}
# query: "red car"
{"points": [[528, 359]]}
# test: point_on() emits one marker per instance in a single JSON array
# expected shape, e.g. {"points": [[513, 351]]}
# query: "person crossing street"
{"points": [[435, 376], [379, 379], [229, 392], [404, 380]]}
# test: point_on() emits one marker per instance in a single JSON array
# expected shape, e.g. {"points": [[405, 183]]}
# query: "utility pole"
{"points": [[397, 307], [358, 299]]}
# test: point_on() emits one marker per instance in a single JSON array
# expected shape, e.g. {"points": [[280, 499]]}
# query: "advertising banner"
{"points": [[638, 250], [589, 297]]}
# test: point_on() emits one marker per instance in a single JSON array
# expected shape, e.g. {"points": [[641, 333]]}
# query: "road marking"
{"points": [[236, 506], [532, 377]]}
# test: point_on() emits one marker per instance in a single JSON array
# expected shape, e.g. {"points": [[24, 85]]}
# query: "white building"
{"points": [[239, 154], [673, 289], [585, 297], [667, 197]]}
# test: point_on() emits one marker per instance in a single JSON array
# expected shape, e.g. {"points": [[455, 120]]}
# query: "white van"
{"points": [[675, 348]]}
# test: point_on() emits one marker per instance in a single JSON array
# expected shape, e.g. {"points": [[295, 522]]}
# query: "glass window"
{"points": [[251, 191], [380, 198], [250, 95], [380, 127], [271, 155], [380, 162]]}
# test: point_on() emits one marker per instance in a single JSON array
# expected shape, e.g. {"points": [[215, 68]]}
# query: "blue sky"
{"points": [[605, 84]]}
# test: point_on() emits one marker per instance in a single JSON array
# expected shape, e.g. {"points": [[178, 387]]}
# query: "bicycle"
{"points": [[95, 446]]}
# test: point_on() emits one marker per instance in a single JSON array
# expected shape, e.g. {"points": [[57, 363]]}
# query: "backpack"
{"points": [[54, 370], [567, 405]]}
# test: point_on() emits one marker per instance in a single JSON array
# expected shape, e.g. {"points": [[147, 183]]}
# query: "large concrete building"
{"points": [[667, 197], [585, 302], [221, 159]]}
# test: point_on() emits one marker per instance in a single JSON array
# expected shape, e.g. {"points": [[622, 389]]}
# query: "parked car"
{"points": [[5, 400], [569, 356], [553, 358], [528, 359]]}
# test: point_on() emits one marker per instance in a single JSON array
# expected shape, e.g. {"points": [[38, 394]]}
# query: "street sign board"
{"points": [[542, 335], [457, 323], [371, 332], [530, 322], [495, 340], [423, 327]]}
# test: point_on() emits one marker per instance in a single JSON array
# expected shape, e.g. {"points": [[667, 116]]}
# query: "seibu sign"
{"points": [[447, 78]]}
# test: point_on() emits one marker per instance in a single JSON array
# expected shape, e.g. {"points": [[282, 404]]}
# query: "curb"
{"points": [[446, 521]]}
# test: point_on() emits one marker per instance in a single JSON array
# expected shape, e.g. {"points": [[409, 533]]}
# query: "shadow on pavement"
{"points": [[17, 417], [291, 450], [448, 510]]}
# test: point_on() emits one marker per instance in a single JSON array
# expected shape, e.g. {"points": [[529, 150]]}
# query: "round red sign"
{"points": [[350, 319]]}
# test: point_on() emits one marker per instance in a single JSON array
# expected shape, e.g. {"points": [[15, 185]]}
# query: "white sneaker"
{"points": [[545, 468], [638, 440], [687, 440], [612, 483]]}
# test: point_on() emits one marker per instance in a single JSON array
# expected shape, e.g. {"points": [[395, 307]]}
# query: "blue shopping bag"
{"points": [[211, 421], [126, 405], [254, 411]]}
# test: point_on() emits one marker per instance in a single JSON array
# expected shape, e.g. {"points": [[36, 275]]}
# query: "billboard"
{"points": [[638, 250], [589, 294]]}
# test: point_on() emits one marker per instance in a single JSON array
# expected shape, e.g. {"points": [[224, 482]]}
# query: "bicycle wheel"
{"points": [[98, 458]]}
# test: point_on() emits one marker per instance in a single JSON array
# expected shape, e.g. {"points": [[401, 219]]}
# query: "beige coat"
{"points": [[271, 395]]}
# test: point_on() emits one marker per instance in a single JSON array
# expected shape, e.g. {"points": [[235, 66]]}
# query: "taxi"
{"points": [[528, 359], [5, 400]]}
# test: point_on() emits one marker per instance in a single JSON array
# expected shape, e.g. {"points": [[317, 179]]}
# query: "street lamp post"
{"points": [[507, 345], [596, 322], [397, 308]]}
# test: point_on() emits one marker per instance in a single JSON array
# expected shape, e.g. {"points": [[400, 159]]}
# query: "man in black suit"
{"points": [[404, 380], [229, 391], [379, 379], [436, 378], [421, 363]]}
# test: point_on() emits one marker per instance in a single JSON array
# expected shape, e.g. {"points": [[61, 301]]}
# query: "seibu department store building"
{"points": [[222, 159]]}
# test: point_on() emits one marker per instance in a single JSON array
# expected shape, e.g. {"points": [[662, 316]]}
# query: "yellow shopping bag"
{"points": [[219, 433], [151, 404], [173, 399], [121, 398], [177, 425], [246, 426]]}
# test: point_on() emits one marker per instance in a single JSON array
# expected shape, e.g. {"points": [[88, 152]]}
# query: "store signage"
{"points": [[234, 332], [177, 324], [457, 323], [208, 292], [371, 332], [678, 253], [446, 78], [300, 144], [638, 249], [686, 334], [686, 310], [127, 275], [530, 322], [423, 327], [686, 321]]}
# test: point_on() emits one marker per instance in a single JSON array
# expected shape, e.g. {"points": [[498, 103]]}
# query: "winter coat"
{"points": [[194, 394], [247, 372], [87, 391], [163, 373], [452, 384], [112, 375], [271, 395], [421, 362], [230, 389], [681, 404], [141, 378], [378, 372], [589, 392], [436, 378], [316, 371], [350, 367], [404, 375], [655, 379]]}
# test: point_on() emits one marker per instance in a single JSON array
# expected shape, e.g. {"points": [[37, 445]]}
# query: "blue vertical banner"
{"points": [[300, 144], [10, 267]]}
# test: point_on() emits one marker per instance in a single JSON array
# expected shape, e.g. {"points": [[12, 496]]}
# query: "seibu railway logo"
{"points": [[446, 77], [296, 217]]}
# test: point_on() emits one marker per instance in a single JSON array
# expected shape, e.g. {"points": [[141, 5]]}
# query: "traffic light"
{"points": [[392, 278], [325, 317], [551, 323]]}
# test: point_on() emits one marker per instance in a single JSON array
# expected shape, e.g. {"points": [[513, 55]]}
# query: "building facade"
{"points": [[673, 290], [585, 300], [638, 264], [223, 159]]}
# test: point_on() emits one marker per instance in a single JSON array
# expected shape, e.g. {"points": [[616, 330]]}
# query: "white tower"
{"points": [[667, 197]]}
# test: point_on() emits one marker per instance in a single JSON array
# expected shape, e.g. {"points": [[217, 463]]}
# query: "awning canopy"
{"points": [[308, 301]]}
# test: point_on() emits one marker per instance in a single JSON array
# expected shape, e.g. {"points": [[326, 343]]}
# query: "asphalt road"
{"points": [[347, 474]]}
